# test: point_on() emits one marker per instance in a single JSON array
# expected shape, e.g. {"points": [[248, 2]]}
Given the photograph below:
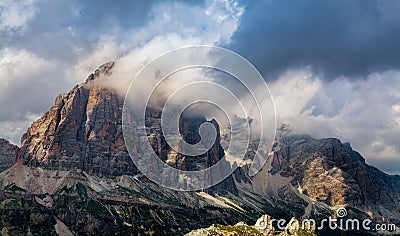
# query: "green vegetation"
{"points": [[96, 208], [66, 190], [302, 232], [81, 189], [239, 230]]}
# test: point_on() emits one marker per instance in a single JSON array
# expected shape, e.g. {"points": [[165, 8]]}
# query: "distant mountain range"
{"points": [[73, 175]]}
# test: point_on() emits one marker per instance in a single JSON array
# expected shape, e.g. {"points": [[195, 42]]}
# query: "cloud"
{"points": [[333, 66], [14, 15], [173, 25], [334, 38], [27, 88], [12, 129], [27, 83], [364, 112], [63, 42], [106, 50]]}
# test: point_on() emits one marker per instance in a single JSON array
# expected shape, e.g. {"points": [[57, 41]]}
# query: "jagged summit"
{"points": [[83, 131], [326, 172], [74, 161], [8, 154], [105, 69]]}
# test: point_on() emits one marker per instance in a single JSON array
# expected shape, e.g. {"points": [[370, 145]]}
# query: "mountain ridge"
{"points": [[76, 153]]}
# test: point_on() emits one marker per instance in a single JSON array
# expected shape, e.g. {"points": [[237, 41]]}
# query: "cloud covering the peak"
{"points": [[364, 112], [49, 57], [333, 67]]}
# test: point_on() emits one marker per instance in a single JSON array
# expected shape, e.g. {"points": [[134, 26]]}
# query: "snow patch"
{"points": [[62, 229], [212, 200]]}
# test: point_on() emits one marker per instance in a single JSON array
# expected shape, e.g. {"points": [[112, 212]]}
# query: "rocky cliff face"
{"points": [[74, 168], [8, 154], [189, 129], [263, 227], [332, 172], [75, 174], [315, 176], [40, 201], [83, 131]]}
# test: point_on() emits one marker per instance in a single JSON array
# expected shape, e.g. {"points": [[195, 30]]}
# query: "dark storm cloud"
{"points": [[349, 38]]}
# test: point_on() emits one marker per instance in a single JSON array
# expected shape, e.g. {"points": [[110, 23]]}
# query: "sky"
{"points": [[333, 67]]}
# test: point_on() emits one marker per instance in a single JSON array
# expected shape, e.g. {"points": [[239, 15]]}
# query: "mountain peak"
{"points": [[8, 154], [83, 131], [103, 70]]}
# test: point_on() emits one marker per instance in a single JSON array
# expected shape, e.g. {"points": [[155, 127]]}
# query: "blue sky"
{"points": [[333, 66]]}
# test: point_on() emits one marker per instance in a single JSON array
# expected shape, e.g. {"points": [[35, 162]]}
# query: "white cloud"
{"points": [[12, 129], [292, 91], [105, 50], [363, 112], [38, 79], [17, 64], [28, 85], [214, 23], [14, 15], [172, 25]]}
